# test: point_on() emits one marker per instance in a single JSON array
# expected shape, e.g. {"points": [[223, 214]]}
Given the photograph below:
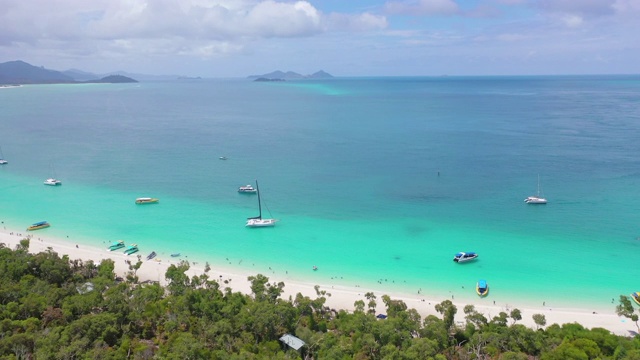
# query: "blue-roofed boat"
{"points": [[464, 257], [636, 297], [38, 226], [482, 288], [131, 249], [116, 245]]}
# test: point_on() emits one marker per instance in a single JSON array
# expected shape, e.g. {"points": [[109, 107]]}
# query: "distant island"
{"points": [[289, 75], [21, 73], [267, 79]]}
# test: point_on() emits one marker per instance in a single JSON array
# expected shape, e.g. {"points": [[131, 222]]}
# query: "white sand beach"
{"points": [[341, 297]]}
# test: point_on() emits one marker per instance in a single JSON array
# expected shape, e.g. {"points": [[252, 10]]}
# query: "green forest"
{"points": [[53, 307]]}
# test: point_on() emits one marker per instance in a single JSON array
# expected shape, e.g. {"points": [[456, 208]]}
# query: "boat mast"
{"points": [[538, 185], [259, 204]]}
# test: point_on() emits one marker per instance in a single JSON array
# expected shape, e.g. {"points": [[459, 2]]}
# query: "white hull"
{"points": [[52, 182], [535, 200], [261, 222]]}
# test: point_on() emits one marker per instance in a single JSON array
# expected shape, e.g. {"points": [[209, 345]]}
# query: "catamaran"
{"points": [[537, 199], [258, 221], [2, 160]]}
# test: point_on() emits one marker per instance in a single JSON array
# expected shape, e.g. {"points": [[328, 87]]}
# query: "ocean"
{"points": [[376, 181]]}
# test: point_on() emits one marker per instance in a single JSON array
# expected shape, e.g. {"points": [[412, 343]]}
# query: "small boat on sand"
{"points": [[636, 297], [131, 249], [116, 245], [152, 255], [38, 226], [147, 200], [482, 288]]}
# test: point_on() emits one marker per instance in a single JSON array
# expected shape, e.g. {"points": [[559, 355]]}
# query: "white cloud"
{"points": [[228, 24], [572, 21], [422, 7]]}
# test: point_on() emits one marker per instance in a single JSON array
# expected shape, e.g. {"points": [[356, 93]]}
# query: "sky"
{"points": [[237, 38]]}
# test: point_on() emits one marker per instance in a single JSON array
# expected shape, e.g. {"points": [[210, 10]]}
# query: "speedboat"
{"points": [[131, 249], [482, 288], [464, 257], [535, 200], [152, 255], [3, 161], [52, 182], [38, 226], [247, 189], [222, 158], [116, 245], [636, 297], [147, 200]]}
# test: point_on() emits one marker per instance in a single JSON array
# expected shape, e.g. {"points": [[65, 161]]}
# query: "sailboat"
{"points": [[258, 221], [537, 199], [2, 160], [52, 181]]}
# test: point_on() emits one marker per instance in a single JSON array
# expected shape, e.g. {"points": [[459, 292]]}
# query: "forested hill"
{"points": [[52, 307], [20, 72]]}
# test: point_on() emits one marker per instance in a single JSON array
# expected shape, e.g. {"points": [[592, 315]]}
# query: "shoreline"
{"points": [[339, 296]]}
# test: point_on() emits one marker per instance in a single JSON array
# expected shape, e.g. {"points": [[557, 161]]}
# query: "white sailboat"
{"points": [[258, 221], [2, 160], [52, 181], [537, 199]]}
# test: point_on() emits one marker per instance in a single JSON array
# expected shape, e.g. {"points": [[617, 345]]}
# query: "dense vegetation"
{"points": [[52, 307]]}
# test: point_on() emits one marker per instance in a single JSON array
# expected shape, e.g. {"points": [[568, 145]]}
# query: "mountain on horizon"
{"points": [[20, 72], [290, 75]]}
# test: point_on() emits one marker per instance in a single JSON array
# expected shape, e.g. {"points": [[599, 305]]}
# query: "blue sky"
{"points": [[236, 38]]}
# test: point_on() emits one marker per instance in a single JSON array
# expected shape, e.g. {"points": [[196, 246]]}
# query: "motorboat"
{"points": [[131, 249], [38, 226], [247, 189], [482, 288], [222, 158], [464, 257], [636, 297], [147, 200], [152, 255], [175, 255], [116, 245], [52, 182]]}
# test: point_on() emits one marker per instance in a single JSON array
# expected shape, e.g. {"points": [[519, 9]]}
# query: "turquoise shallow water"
{"points": [[377, 181]]}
